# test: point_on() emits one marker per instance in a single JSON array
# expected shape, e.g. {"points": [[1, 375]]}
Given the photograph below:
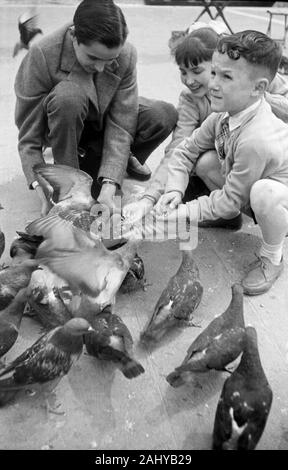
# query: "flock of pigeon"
{"points": [[64, 274]]}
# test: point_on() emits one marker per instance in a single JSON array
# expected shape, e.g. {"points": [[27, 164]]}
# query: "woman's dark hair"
{"points": [[255, 47], [197, 47], [101, 21]]}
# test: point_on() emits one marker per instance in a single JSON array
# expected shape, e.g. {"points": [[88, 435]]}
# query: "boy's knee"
{"points": [[262, 197], [67, 99], [206, 163]]}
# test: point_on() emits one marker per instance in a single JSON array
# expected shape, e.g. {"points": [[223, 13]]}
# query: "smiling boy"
{"points": [[250, 168]]}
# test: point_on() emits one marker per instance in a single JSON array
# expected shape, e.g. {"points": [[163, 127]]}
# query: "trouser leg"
{"points": [[66, 108], [156, 120]]}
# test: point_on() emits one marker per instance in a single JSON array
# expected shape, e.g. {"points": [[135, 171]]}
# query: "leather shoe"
{"points": [[136, 170], [229, 224], [261, 276]]}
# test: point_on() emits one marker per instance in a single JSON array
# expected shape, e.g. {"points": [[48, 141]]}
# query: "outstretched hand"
{"points": [[174, 215], [168, 202]]}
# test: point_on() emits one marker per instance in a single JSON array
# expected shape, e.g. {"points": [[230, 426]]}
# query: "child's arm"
{"points": [[189, 119], [186, 154]]}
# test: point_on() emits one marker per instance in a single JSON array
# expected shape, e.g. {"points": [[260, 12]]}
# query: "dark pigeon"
{"points": [[244, 403], [10, 321], [45, 362], [219, 344], [177, 302], [111, 341]]}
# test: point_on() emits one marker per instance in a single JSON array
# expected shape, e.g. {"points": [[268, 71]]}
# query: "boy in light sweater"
{"points": [[250, 168], [193, 57]]}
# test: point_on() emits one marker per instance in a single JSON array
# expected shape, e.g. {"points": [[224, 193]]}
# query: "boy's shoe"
{"points": [[229, 224], [136, 170], [261, 276]]}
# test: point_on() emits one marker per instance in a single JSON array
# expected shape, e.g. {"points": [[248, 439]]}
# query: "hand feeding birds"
{"points": [[217, 346], [177, 302], [44, 363], [245, 402]]}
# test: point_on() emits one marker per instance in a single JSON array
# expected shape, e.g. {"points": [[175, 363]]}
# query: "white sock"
{"points": [[272, 252]]}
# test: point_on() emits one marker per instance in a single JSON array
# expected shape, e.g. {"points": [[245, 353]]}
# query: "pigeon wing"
{"points": [[29, 353], [222, 425], [80, 269], [60, 233], [66, 180], [121, 330]]}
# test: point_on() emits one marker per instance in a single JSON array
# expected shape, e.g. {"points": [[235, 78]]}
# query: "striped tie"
{"points": [[221, 138]]}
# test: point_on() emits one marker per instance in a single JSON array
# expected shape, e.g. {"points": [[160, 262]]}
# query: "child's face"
{"points": [[196, 78], [231, 85]]}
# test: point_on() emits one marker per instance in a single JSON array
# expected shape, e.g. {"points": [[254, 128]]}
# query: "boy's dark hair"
{"points": [[101, 21], [196, 47], [255, 47]]}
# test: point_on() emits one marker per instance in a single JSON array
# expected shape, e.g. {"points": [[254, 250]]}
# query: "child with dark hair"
{"points": [[76, 92], [193, 55], [249, 170]]}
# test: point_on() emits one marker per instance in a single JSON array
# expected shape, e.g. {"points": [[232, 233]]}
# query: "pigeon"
{"points": [[71, 187], [10, 321], [28, 29], [177, 302], [45, 362], [81, 259], [245, 402], [24, 247], [135, 277], [111, 341], [12, 279], [219, 344], [45, 293], [2, 239]]}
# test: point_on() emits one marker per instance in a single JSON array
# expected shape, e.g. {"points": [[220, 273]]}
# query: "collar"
{"points": [[238, 119]]}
